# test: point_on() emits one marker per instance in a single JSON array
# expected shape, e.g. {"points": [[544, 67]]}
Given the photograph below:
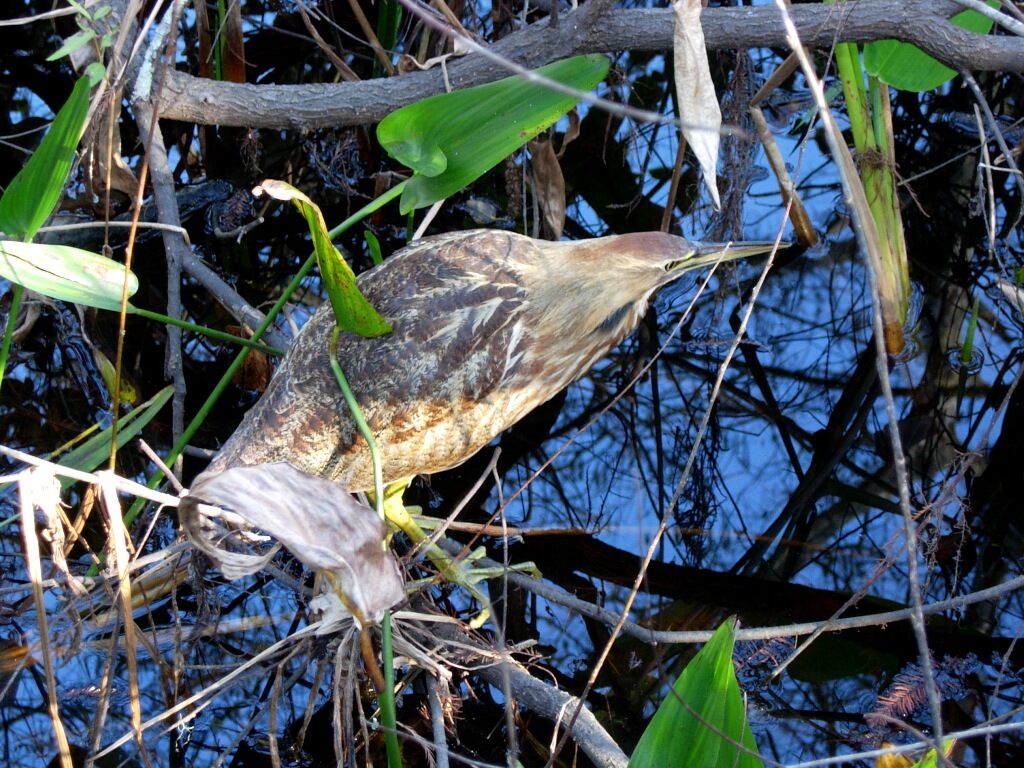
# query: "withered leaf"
{"points": [[321, 525], [550, 187], [698, 103]]}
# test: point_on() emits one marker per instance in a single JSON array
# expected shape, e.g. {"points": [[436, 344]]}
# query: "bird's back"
{"points": [[458, 368]]}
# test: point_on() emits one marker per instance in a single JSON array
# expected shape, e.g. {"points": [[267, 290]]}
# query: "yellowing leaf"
{"points": [[66, 273], [892, 760]]}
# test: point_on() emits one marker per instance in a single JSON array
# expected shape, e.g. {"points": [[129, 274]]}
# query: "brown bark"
{"points": [[922, 22]]}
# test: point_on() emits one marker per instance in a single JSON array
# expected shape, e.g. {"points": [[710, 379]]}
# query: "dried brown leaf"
{"points": [[320, 524], [571, 133], [695, 91], [550, 187]]}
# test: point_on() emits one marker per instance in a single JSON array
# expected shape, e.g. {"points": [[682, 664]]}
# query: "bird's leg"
{"points": [[479, 573], [451, 570]]}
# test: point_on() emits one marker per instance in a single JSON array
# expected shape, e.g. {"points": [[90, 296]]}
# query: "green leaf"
{"points": [[33, 194], [72, 44], [454, 138], [374, 245], [931, 760], [907, 67], [702, 720], [389, 19], [96, 450], [66, 273], [95, 72], [351, 309]]}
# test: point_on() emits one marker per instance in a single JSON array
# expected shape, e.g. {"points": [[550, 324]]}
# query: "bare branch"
{"points": [[922, 22]]}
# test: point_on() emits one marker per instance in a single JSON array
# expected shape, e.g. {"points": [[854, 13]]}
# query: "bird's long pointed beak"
{"points": [[712, 253]]}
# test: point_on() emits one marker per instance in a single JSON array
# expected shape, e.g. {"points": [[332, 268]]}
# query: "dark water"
{"points": [[790, 507]]}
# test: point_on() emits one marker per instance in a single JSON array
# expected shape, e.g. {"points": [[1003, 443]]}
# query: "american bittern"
{"points": [[487, 326]]}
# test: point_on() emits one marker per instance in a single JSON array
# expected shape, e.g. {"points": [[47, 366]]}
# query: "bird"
{"points": [[487, 325]]}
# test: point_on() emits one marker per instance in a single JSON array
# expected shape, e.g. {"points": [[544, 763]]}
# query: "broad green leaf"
{"points": [[907, 67], [33, 194], [454, 138], [351, 309], [96, 450], [702, 720], [66, 273]]}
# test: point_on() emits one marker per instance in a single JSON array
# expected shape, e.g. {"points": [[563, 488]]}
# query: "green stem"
{"points": [[857, 107], [364, 428], [218, 48], [387, 696], [203, 330], [12, 319], [869, 113], [387, 699]]}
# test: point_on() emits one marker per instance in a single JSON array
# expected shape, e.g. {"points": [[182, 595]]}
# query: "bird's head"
{"points": [[607, 281]]}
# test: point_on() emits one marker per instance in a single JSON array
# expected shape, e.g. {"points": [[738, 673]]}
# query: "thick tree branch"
{"points": [[922, 22]]}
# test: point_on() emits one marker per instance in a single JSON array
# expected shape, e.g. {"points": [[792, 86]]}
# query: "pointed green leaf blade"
{"points": [[454, 138], [32, 195], [96, 450], [66, 273], [351, 309], [72, 44], [702, 721]]}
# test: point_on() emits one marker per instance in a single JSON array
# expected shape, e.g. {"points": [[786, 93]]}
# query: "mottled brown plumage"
{"points": [[487, 326]]}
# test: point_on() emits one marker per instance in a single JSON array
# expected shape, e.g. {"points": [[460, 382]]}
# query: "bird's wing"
{"points": [[457, 308]]}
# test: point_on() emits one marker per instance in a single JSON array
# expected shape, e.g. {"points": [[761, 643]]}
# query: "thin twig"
{"points": [[867, 237], [993, 125], [561, 597], [437, 725], [378, 49], [118, 537], [339, 63], [29, 482]]}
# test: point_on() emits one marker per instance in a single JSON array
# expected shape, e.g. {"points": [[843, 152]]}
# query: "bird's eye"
{"points": [[674, 265]]}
